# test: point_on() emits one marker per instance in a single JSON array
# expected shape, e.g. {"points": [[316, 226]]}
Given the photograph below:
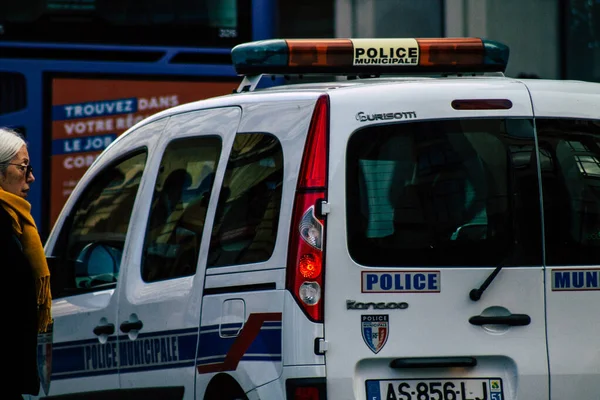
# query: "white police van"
{"points": [[429, 235]]}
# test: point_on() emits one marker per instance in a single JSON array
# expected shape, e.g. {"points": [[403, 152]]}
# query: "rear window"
{"points": [[444, 193], [570, 172]]}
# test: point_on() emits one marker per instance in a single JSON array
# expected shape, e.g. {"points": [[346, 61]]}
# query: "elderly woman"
{"points": [[26, 300]]}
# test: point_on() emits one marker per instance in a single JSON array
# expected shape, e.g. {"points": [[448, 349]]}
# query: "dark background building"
{"points": [[553, 39]]}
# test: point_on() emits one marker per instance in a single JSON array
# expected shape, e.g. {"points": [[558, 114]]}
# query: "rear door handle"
{"points": [[512, 320], [127, 326], [433, 362], [107, 329]]}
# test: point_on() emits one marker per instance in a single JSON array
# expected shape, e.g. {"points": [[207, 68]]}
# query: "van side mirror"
{"points": [[98, 264]]}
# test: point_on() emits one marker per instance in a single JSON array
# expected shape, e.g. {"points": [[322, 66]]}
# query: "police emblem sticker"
{"points": [[375, 331]]}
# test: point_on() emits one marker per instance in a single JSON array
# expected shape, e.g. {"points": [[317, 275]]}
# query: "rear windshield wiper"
{"points": [[475, 294]]}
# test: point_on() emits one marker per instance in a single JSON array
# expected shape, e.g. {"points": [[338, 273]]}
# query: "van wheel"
{"points": [[224, 387]]}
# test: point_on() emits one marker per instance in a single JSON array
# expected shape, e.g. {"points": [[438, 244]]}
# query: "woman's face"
{"points": [[15, 179]]}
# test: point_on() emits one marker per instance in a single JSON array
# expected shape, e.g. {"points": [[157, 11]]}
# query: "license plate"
{"points": [[436, 389]]}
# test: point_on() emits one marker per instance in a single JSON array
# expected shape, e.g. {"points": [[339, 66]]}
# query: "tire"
{"points": [[224, 388]]}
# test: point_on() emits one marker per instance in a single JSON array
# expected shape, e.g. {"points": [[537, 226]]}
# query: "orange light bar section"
{"points": [[451, 51], [369, 56], [320, 52]]}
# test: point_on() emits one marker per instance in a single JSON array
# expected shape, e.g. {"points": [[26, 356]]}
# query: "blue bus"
{"points": [[74, 74]]}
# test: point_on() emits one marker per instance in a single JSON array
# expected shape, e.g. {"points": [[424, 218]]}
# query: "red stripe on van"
{"points": [[237, 350]]}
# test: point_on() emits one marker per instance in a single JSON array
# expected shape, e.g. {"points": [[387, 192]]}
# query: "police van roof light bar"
{"points": [[369, 56]]}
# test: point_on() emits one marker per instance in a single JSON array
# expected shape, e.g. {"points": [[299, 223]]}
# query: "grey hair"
{"points": [[10, 144]]}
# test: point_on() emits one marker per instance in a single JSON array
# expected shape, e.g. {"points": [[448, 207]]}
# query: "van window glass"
{"points": [[571, 190], [178, 210], [444, 193], [95, 230], [247, 216]]}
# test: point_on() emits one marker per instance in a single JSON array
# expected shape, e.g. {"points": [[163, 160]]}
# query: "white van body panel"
{"points": [[564, 99], [507, 353], [176, 301], [74, 321]]}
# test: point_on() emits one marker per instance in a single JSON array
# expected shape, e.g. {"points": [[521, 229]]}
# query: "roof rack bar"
{"points": [[249, 83]]}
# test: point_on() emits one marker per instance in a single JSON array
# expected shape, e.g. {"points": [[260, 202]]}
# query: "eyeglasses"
{"points": [[28, 169]]}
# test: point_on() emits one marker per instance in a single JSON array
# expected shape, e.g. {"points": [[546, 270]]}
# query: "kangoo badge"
{"points": [[375, 331]]}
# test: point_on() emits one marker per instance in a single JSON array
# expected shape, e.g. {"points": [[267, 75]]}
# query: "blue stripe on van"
{"points": [[170, 349], [151, 351]]}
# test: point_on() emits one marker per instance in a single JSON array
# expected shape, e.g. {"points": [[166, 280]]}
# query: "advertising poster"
{"points": [[88, 114]]}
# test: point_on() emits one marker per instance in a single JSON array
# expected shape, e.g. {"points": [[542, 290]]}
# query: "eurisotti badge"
{"points": [[375, 331]]}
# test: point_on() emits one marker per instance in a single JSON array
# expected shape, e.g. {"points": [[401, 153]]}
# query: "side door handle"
{"points": [[107, 329], [512, 320], [127, 326]]}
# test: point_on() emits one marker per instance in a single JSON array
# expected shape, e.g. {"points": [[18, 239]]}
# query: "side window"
{"points": [[179, 206], [94, 233], [247, 216], [444, 193], [571, 189]]}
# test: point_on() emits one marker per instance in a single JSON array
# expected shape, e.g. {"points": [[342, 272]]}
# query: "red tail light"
{"points": [[306, 389], [482, 104], [313, 172], [306, 393], [306, 261]]}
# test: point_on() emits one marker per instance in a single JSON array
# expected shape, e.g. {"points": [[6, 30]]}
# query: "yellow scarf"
{"points": [[24, 227]]}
